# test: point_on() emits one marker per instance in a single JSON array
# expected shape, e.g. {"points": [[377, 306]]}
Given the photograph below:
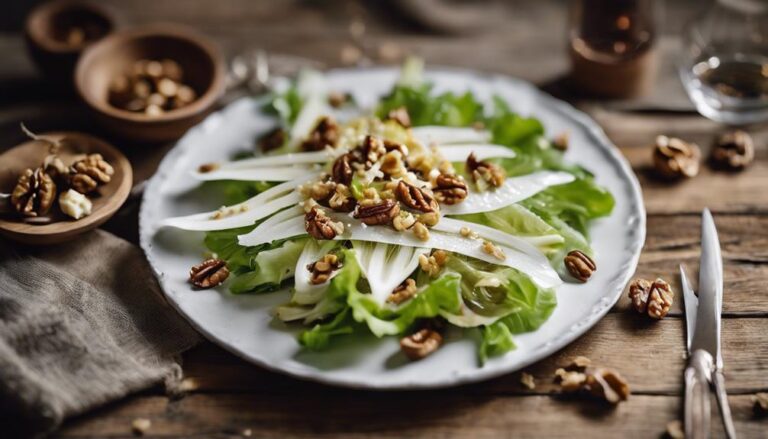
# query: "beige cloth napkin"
{"points": [[81, 324]]}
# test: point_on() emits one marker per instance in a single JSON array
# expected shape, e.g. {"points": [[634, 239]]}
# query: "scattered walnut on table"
{"points": [[139, 426], [579, 265], [734, 151], [403, 292], [760, 404], [323, 268], [598, 382], [651, 298], [527, 381], [209, 273], [675, 158], [450, 189], [421, 343], [320, 226], [34, 193], [382, 212], [415, 197], [485, 174]]}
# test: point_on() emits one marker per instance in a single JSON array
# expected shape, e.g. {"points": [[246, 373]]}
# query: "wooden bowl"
{"points": [[202, 63], [57, 32], [30, 154]]}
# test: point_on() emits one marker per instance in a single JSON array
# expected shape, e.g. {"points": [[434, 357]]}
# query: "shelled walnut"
{"points": [[734, 150], [89, 173], [34, 193], [403, 292], [450, 189], [322, 269], [151, 87], [416, 198], [675, 158], [325, 133], [209, 273], [579, 265], [598, 382], [320, 226], [651, 298], [421, 343], [382, 212], [485, 174]]}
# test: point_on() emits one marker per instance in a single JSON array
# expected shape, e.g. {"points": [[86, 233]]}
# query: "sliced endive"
{"points": [[385, 265]]}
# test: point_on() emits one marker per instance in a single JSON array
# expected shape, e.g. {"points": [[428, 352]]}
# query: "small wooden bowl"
{"points": [[202, 63], [49, 27], [30, 154]]}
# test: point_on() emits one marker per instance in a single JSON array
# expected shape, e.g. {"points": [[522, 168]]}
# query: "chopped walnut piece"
{"points": [[429, 219], [209, 273], [485, 174], [734, 150], [320, 226], [651, 298], [323, 268], [379, 213], [421, 343], [342, 169], [561, 141], [579, 363], [675, 158], [208, 167], [527, 381], [403, 292], [403, 221], [272, 140], [139, 426], [421, 231], [392, 164], [416, 198], [400, 115], [493, 250], [34, 193], [372, 150], [579, 265], [601, 383], [450, 189], [342, 200], [468, 233], [325, 133], [434, 263], [760, 404], [391, 146], [337, 99]]}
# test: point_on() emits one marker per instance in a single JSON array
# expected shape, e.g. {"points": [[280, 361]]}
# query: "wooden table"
{"points": [[228, 397]]}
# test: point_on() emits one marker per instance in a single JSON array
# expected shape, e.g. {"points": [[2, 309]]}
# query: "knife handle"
{"points": [[722, 401], [697, 410]]}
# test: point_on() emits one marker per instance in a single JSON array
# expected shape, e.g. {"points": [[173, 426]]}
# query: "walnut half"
{"points": [[598, 382], [579, 265], [34, 193], [209, 273], [421, 343], [652, 298]]}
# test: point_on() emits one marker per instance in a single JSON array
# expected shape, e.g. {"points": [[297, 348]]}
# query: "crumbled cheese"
{"points": [[75, 204]]}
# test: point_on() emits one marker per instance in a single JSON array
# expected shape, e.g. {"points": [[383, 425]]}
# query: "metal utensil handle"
{"points": [[722, 401], [697, 410]]}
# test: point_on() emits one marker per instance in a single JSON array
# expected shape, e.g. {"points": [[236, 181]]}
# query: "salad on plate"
{"points": [[426, 211]]}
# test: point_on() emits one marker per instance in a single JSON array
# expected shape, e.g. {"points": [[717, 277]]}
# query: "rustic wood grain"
{"points": [[232, 396], [350, 414]]}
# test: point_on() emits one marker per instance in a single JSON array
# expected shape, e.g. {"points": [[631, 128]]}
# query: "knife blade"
{"points": [[691, 303], [707, 333]]}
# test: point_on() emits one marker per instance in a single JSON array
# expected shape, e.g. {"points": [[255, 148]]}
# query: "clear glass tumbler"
{"points": [[725, 63]]}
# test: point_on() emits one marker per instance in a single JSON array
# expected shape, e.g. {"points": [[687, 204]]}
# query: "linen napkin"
{"points": [[81, 324]]}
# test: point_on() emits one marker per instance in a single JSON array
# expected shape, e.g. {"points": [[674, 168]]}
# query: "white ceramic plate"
{"points": [[243, 324]]}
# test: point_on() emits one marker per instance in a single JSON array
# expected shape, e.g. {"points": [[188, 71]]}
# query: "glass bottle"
{"points": [[612, 47]]}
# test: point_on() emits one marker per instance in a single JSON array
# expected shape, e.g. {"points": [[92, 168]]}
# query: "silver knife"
{"points": [[705, 363]]}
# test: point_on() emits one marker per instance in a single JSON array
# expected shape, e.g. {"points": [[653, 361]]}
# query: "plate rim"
{"points": [[596, 314]]}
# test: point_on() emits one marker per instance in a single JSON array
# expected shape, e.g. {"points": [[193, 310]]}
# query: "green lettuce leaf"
{"points": [[497, 340], [269, 268], [319, 337]]}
